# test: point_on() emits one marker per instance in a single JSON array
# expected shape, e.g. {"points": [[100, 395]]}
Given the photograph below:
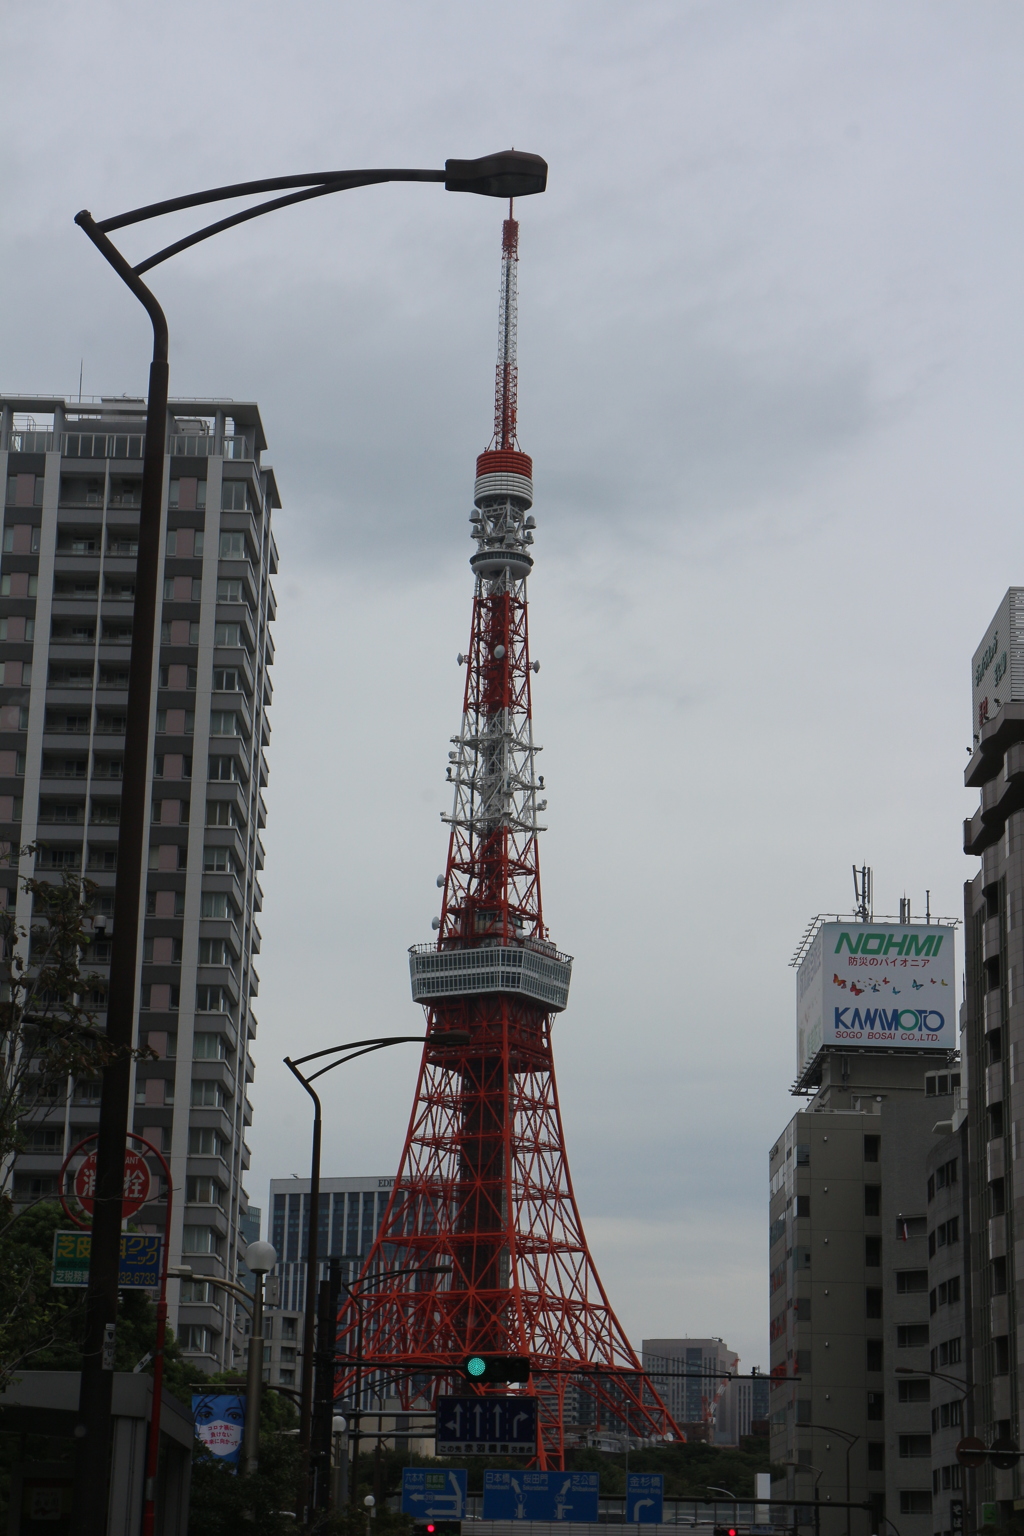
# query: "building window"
{"points": [[943, 1083], [198, 1239], [206, 1095], [229, 635], [873, 1302], [872, 1147], [194, 1338], [229, 591], [212, 1000], [873, 1252], [915, 1445], [202, 1191], [1000, 1355], [876, 1455], [872, 1199], [203, 1143], [224, 722], [915, 1501], [947, 1353], [207, 1047], [912, 1336], [911, 1280], [874, 1354], [803, 1205], [914, 1391]]}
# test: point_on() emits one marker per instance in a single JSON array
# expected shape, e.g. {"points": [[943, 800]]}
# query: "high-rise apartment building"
{"points": [[72, 473], [852, 1329], [351, 1211], [993, 1028], [690, 1376]]}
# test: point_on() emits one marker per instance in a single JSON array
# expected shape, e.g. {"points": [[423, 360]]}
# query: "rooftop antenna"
{"points": [[81, 371], [928, 907], [905, 917], [862, 893]]}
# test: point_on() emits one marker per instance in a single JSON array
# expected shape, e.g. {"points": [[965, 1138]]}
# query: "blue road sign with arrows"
{"points": [[645, 1494], [432, 1495], [571, 1496], [486, 1426]]}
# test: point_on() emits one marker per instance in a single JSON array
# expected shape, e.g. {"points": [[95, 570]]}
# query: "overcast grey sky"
{"points": [[771, 376]]}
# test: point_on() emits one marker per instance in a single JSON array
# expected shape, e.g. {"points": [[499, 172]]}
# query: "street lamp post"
{"points": [[342, 1054], [851, 1441], [260, 1259], [729, 1495], [508, 174], [357, 1300], [806, 1465]]}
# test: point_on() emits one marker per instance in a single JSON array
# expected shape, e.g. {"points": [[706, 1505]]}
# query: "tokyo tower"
{"points": [[483, 1188]]}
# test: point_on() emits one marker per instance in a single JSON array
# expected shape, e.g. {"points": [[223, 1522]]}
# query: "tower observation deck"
{"points": [[483, 1188]]}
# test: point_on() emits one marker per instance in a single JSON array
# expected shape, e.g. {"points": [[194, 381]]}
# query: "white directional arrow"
{"points": [[561, 1503], [641, 1504], [447, 1505], [477, 1411], [520, 1418]]}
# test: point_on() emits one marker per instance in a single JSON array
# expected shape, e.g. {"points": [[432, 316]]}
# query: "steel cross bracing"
{"points": [[483, 1185]]}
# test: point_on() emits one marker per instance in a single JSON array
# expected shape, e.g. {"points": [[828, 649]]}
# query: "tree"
{"points": [[48, 1007], [41, 1325]]}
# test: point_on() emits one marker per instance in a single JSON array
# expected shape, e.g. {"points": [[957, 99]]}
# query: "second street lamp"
{"points": [[510, 173], [342, 1055]]}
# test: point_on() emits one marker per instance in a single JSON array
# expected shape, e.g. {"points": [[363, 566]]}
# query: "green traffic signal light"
{"points": [[494, 1369]]}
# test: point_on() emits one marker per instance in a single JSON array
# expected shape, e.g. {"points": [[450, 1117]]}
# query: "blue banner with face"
{"points": [[220, 1424]]}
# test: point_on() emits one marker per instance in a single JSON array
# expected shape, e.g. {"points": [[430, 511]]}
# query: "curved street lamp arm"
{"points": [[265, 184], [130, 277], [366, 1051], [352, 1045], [342, 185], [293, 1069]]}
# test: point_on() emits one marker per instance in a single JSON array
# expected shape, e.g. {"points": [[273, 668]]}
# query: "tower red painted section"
{"points": [[484, 1185]]}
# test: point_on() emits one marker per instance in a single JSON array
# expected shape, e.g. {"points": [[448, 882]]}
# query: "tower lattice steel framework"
{"points": [[483, 1184]]}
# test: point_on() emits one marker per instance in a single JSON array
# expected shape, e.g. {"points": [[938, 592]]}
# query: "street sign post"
{"points": [[550, 1496], [645, 1493], [486, 1426], [429, 1495], [139, 1268]]}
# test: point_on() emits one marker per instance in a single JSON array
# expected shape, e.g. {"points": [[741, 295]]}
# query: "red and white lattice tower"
{"points": [[484, 1184]]}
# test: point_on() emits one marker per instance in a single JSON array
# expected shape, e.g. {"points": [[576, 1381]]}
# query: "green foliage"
{"points": [[222, 1499], [48, 1002], [41, 1326]]}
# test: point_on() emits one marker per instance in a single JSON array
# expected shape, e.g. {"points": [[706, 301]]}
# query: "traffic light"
{"points": [[484, 1369], [437, 1528], [725, 1530]]}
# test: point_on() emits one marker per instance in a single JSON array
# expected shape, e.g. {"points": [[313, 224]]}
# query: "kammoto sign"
{"points": [[876, 984]]}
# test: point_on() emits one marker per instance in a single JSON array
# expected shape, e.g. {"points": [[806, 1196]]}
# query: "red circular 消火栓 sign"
{"points": [[137, 1183]]}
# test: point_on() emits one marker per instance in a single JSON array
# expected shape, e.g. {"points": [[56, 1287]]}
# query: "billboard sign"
{"points": [[876, 985], [219, 1419], [997, 674], [139, 1269]]}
